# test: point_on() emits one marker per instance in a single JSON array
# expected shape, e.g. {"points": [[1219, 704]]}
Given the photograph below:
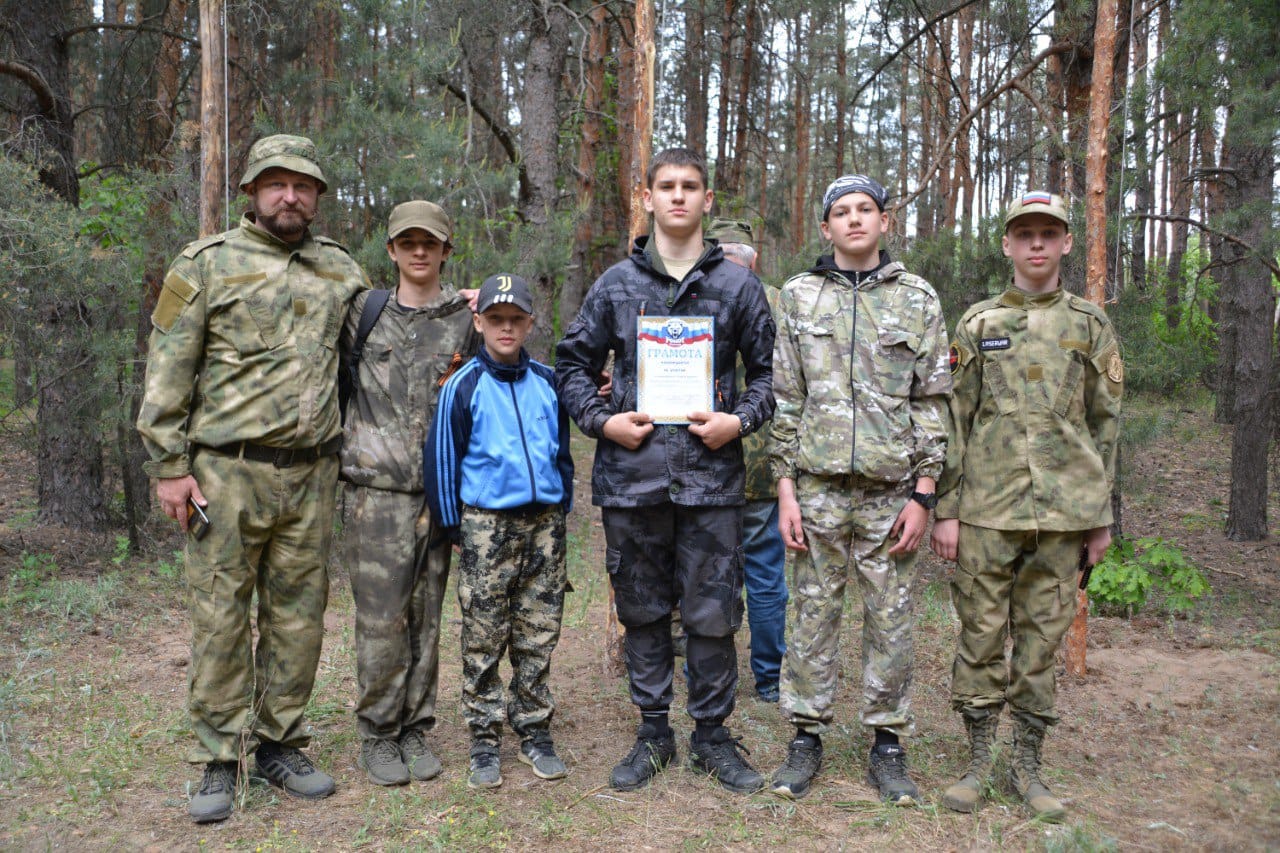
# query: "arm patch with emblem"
{"points": [[175, 296]]}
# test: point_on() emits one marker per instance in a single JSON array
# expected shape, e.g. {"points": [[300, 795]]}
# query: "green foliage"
{"points": [[1161, 358], [1133, 569], [962, 269]]}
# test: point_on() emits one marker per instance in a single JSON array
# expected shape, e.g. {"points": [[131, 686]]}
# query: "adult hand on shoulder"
{"points": [[789, 520], [1096, 543], [173, 493], [946, 538], [628, 429], [909, 528], [716, 429], [472, 296]]}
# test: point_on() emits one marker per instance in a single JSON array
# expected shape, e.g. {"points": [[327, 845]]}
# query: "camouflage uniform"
{"points": [[511, 585], [860, 376], [397, 577], [244, 350], [1030, 465]]}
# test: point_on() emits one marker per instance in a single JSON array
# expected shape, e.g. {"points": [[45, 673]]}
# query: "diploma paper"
{"points": [[675, 372]]}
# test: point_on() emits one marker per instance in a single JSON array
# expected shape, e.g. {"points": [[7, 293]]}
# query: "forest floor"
{"points": [[1172, 740]]}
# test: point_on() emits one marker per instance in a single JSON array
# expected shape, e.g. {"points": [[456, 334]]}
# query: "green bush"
{"points": [[1132, 569], [1161, 358]]}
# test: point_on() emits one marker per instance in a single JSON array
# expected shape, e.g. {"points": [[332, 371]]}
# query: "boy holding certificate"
{"points": [[669, 481], [857, 442]]}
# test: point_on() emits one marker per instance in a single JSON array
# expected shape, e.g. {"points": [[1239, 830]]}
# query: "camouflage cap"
{"points": [[283, 151], [1038, 202], [731, 231], [420, 214]]}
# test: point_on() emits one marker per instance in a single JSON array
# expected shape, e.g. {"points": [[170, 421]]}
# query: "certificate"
{"points": [[675, 373]]}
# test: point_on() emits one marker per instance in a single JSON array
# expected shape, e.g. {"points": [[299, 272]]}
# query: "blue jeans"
{"points": [[766, 585]]}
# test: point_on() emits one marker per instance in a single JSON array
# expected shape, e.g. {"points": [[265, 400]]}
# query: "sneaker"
{"points": [[767, 693], [719, 758], [888, 774], [287, 768], [217, 789], [540, 754], [486, 768], [381, 761], [650, 755], [804, 757], [418, 757]]}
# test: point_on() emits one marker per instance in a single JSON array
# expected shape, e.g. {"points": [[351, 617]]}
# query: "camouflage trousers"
{"points": [[398, 584], [270, 530], [511, 586], [664, 555], [846, 526], [1020, 583]]}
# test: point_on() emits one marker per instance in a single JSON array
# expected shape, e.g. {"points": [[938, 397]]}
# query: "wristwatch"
{"points": [[928, 501], [744, 425]]}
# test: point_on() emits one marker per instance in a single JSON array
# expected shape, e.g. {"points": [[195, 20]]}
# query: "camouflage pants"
{"points": [[511, 585], [664, 555], [398, 584], [270, 530], [846, 525], [1017, 582]]}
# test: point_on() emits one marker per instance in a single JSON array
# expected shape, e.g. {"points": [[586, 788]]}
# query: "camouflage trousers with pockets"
{"points": [[846, 524], [270, 530], [398, 584], [1020, 583], [664, 555], [511, 586]]}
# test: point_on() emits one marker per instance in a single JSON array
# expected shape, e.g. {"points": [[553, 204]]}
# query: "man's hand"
{"points": [[789, 522], [909, 527], [173, 493], [945, 541], [1096, 543], [472, 296], [604, 383], [628, 429], [716, 429]]}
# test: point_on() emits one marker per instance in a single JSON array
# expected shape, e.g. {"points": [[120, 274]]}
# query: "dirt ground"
{"points": [[1172, 740]]}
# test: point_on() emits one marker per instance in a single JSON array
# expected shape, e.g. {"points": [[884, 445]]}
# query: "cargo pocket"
{"points": [[898, 351], [266, 320], [1067, 390], [998, 388]]}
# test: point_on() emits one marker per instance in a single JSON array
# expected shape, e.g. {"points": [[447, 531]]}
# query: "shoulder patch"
{"points": [[1084, 306], [175, 295], [195, 248], [959, 357], [326, 241], [1115, 367]]}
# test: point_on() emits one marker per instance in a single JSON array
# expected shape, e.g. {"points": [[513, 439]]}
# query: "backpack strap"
{"points": [[349, 377]]}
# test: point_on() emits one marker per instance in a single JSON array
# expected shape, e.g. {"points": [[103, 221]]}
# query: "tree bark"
{"points": [[213, 174]]}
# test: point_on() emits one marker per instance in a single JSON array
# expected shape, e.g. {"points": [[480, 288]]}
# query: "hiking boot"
{"points": [[287, 768], [540, 753], [888, 775], [767, 693], [1024, 770], [418, 757], [486, 768], [213, 801], [966, 794], [718, 757], [804, 757], [650, 755], [381, 761]]}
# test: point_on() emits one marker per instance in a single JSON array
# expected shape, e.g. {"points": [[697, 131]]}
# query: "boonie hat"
{"points": [[504, 288], [1038, 202], [283, 151], [420, 214], [731, 231], [846, 184]]}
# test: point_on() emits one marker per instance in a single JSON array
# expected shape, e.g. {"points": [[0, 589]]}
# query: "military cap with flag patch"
{"points": [[1038, 202], [284, 151]]}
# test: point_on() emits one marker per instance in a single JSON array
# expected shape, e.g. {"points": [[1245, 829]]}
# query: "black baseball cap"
{"points": [[504, 288]]}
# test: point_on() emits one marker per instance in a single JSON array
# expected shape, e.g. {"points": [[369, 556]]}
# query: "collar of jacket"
{"points": [[645, 254], [1016, 298], [888, 270], [504, 372], [250, 228]]}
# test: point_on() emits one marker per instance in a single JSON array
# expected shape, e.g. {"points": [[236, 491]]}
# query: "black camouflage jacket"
{"points": [[671, 464]]}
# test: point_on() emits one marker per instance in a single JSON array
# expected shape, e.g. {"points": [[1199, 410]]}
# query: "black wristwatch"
{"points": [[745, 426], [928, 501]]}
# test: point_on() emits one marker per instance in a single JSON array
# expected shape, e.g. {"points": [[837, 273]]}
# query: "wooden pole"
{"points": [[213, 177], [1104, 48]]}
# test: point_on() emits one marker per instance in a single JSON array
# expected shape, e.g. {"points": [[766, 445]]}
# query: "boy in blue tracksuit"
{"points": [[499, 478]]}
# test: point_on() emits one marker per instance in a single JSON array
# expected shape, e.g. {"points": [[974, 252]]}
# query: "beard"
{"points": [[284, 221]]}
